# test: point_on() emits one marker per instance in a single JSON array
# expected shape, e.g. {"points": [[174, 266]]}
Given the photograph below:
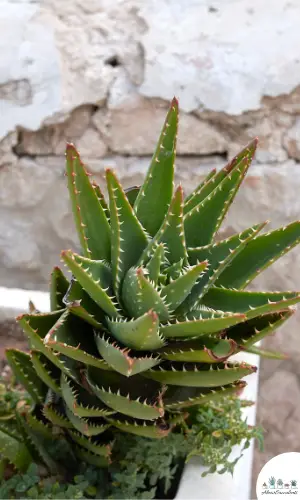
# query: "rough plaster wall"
{"points": [[99, 73]]}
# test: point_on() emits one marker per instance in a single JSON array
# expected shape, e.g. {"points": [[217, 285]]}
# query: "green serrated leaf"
{"points": [[39, 426], [154, 265], [14, 451], [153, 431], [125, 404], [207, 395], [81, 402], [132, 193], [88, 212], [58, 288], [171, 233], [81, 304], [66, 337], [121, 360], [178, 290], [128, 238], [203, 350], [90, 458], [87, 427], [200, 326], [55, 417], [141, 334], [94, 277], [24, 371], [156, 192], [139, 295], [91, 444], [47, 371], [199, 375], [259, 254], [202, 222], [251, 304], [195, 197]]}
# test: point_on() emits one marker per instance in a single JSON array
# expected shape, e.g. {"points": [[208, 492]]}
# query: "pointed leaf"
{"points": [[254, 330], [203, 221], [139, 295], [15, 451], [90, 458], [154, 265], [204, 350], [81, 304], [90, 219], [259, 254], [200, 375], [121, 360], [58, 288], [73, 338], [56, 418], [214, 179], [127, 406], [252, 304], [24, 371], [178, 290], [140, 334], [94, 277], [153, 431], [201, 326], [87, 427], [171, 232], [207, 395], [47, 371], [90, 444], [128, 238], [81, 402], [155, 194], [265, 353]]}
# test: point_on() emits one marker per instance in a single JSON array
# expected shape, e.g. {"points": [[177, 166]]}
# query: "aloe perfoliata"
{"points": [[155, 307]]}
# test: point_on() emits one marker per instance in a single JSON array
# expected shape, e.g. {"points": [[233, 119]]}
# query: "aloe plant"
{"points": [[154, 309]]}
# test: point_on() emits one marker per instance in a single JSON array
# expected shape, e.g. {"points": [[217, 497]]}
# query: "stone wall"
{"points": [[100, 73]]}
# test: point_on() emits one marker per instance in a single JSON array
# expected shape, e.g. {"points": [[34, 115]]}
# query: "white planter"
{"points": [[192, 485]]}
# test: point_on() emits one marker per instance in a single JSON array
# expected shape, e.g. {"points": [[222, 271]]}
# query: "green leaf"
{"points": [[199, 375], [265, 353], [219, 256], [87, 427], [47, 371], [66, 337], [125, 404], [171, 232], [201, 325], [203, 221], [178, 290], [254, 330], [58, 288], [121, 360], [128, 238], [39, 426], [178, 401], [156, 192], [153, 431], [94, 277], [80, 401], [101, 198], [24, 371], [14, 451], [203, 350], [260, 253], [154, 265], [90, 219], [36, 327], [91, 458], [81, 304], [214, 179], [91, 444], [139, 295], [252, 304], [55, 417], [141, 334]]}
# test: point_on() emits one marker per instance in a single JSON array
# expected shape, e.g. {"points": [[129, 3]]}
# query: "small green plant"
{"points": [[142, 333], [272, 482], [293, 483], [280, 483]]}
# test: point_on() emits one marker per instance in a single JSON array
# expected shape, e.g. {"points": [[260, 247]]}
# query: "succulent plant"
{"points": [[155, 306]]}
